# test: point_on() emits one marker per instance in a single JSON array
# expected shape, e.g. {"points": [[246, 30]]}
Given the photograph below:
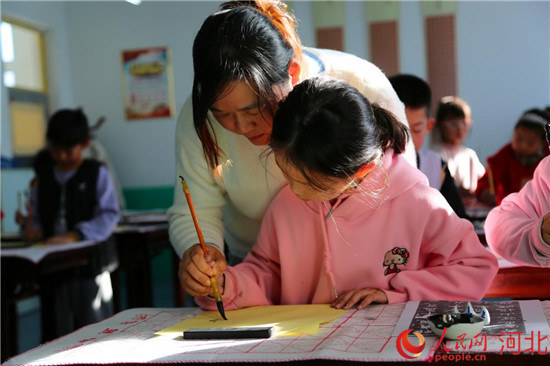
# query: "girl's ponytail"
{"points": [[393, 133]]}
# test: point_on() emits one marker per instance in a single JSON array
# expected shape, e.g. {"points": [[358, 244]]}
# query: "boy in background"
{"points": [[453, 121], [73, 199], [415, 93]]}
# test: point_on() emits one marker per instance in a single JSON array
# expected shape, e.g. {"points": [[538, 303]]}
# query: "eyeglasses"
{"points": [[456, 123]]}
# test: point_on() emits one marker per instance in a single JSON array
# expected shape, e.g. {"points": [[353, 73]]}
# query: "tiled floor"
{"points": [[29, 314]]}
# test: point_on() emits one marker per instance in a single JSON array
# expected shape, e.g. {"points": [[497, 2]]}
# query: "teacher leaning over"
{"points": [[246, 58]]}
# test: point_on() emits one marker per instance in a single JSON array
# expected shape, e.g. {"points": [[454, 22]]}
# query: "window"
{"points": [[24, 76]]}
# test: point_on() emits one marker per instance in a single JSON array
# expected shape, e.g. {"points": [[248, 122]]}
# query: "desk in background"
{"points": [[356, 337], [520, 282], [139, 238], [31, 271]]}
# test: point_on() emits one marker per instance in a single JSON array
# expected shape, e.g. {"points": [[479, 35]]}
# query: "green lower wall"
{"points": [[148, 198], [152, 198], [162, 266]]}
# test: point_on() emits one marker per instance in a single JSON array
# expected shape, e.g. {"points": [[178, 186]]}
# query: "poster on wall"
{"points": [[147, 84]]}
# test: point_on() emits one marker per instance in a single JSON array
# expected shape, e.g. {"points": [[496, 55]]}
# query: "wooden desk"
{"points": [[33, 271], [517, 281], [136, 246], [520, 282], [128, 338]]}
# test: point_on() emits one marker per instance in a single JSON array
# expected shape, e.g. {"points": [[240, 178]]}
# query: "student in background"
{"points": [[357, 224], [452, 123], [519, 228], [515, 163], [415, 93], [246, 58], [93, 151], [73, 199]]}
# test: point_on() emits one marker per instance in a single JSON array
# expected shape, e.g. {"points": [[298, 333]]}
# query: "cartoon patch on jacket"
{"points": [[393, 258]]}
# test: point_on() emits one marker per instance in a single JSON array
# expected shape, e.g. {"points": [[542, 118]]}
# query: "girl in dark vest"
{"points": [[73, 199]]}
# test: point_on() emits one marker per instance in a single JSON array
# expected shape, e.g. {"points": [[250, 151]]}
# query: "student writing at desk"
{"points": [[246, 58], [74, 199], [515, 163], [357, 224]]}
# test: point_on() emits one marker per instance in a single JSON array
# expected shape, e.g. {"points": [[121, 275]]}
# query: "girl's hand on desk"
{"points": [[545, 229], [195, 269], [61, 239], [362, 297]]}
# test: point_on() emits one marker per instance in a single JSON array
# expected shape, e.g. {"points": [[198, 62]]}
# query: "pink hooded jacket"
{"points": [[513, 228], [405, 240]]}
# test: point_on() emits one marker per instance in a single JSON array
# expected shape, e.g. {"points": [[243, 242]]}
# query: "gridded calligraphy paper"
{"points": [[287, 320], [129, 338]]}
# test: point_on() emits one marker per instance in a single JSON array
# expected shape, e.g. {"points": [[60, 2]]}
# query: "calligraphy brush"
{"points": [[213, 283]]}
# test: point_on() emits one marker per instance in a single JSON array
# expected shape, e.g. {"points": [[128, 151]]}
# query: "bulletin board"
{"points": [[147, 83]]}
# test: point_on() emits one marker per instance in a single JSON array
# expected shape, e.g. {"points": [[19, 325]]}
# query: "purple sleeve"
{"points": [[106, 212]]}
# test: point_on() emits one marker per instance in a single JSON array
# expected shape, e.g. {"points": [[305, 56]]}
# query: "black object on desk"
{"points": [[228, 333]]}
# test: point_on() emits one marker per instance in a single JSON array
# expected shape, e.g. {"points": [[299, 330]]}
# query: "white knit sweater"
{"points": [[230, 201]]}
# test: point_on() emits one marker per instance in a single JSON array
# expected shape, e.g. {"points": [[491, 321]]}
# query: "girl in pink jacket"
{"points": [[519, 229], [356, 224]]}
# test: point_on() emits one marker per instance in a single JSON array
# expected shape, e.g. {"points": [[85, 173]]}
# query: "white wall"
{"points": [[356, 32], [503, 65], [412, 45], [304, 16], [143, 150]]}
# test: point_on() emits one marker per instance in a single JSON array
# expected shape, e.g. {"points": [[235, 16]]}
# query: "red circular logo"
{"points": [[406, 349]]}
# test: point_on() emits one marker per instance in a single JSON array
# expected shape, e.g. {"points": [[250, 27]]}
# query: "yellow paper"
{"points": [[287, 320]]}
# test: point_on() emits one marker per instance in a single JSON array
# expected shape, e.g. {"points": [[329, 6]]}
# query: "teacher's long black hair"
{"points": [[253, 42]]}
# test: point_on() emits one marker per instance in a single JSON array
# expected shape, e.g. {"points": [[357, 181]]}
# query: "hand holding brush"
{"points": [[213, 283]]}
